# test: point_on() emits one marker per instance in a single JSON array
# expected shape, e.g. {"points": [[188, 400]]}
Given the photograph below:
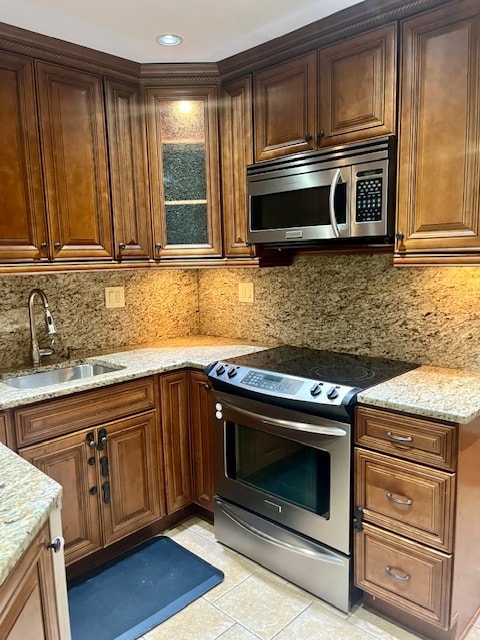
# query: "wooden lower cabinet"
{"points": [[121, 475], [28, 603], [187, 439], [110, 490], [202, 437], [417, 519], [111, 471], [7, 435], [176, 439]]}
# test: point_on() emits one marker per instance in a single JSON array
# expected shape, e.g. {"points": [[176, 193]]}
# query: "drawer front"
{"points": [[410, 499], [404, 573], [48, 419], [416, 439]]}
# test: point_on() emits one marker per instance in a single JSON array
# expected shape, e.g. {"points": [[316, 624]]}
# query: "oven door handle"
{"points": [[329, 428], [283, 544]]}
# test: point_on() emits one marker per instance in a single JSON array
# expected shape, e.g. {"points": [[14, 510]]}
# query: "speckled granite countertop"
{"points": [[177, 353], [27, 497], [445, 394]]}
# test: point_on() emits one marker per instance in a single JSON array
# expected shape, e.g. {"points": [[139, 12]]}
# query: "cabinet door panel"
{"points": [[358, 87], [405, 436], [27, 601], [439, 172], [237, 152], [285, 108], [131, 499], [411, 499], [176, 440], [202, 439], [73, 139], [182, 136], [382, 559], [22, 220], [66, 461], [127, 153]]}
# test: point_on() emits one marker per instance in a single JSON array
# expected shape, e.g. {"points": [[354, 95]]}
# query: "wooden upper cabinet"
{"points": [[73, 139], [357, 87], [438, 207], [236, 126], [128, 171], [352, 97], [183, 152], [23, 229], [285, 108]]}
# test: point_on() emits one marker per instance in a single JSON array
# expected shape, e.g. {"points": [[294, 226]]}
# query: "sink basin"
{"points": [[56, 376]]}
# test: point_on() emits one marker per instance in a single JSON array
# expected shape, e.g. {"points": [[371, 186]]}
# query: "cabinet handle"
{"points": [[392, 498], [158, 246], [399, 237], [93, 491], [321, 134], [57, 246], [43, 246], [106, 492], [399, 438], [308, 137], [91, 440], [56, 544], [104, 466], [207, 387], [102, 439], [395, 576], [121, 246]]}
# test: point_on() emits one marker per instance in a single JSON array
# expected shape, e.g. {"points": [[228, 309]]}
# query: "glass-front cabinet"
{"points": [[184, 176]]}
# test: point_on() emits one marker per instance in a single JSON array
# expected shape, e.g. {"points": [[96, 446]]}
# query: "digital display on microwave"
{"points": [[298, 208]]}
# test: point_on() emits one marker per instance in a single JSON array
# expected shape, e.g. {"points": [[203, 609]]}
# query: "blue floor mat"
{"points": [[137, 591]]}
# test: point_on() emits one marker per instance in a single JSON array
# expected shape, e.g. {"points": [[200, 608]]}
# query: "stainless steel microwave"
{"points": [[338, 194]]}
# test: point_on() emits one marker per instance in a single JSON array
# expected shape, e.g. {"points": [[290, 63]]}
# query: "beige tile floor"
{"points": [[253, 603]]}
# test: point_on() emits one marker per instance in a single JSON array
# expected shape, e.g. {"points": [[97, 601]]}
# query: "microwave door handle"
{"points": [[331, 203]]}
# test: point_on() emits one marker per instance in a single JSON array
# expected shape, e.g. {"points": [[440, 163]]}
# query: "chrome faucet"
{"points": [[35, 351]]}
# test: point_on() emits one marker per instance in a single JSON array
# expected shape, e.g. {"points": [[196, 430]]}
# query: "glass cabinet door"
{"points": [[184, 172]]}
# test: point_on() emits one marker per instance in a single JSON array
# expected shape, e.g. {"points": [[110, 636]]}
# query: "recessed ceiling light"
{"points": [[169, 40]]}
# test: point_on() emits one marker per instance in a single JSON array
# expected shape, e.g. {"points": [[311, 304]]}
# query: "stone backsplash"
{"points": [[158, 305], [360, 304]]}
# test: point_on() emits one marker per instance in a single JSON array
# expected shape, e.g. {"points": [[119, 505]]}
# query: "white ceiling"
{"points": [[212, 29]]}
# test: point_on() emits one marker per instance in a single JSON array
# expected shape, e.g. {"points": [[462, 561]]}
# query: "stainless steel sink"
{"points": [[56, 376]]}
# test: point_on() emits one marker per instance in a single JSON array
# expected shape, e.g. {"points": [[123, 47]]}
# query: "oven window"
{"points": [[279, 467]]}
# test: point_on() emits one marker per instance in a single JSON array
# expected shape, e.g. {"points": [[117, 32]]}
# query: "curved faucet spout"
{"points": [[35, 351]]}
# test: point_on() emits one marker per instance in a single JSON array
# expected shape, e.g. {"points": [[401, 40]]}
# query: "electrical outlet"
{"points": [[246, 292], [114, 297]]}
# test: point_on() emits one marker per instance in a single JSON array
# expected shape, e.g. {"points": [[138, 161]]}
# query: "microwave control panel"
{"points": [[369, 199]]}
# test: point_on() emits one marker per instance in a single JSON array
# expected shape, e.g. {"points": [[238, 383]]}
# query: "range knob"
{"points": [[316, 390], [219, 370], [332, 393], [232, 372]]}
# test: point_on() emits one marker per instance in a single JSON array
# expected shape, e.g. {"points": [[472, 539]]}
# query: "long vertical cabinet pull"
{"points": [[106, 492]]}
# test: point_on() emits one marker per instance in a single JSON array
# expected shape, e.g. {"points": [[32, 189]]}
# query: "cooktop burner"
{"points": [[330, 366]]}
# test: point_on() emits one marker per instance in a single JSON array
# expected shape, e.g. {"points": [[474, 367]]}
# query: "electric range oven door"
{"points": [[291, 468]]}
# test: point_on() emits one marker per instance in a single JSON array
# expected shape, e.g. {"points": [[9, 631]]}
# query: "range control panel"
{"points": [[280, 385]]}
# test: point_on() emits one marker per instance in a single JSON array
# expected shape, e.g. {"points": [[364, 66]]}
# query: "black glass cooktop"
{"points": [[330, 366]]}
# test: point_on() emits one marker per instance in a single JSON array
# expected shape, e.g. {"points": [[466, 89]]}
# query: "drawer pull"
{"points": [[395, 576], [392, 498], [395, 438]]}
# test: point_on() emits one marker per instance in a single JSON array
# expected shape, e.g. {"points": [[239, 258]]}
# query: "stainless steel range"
{"points": [[283, 461]]}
